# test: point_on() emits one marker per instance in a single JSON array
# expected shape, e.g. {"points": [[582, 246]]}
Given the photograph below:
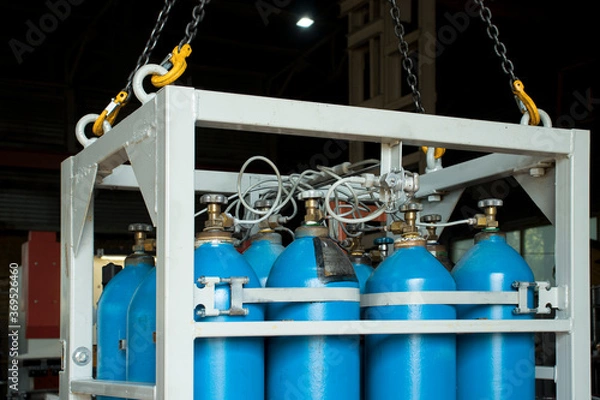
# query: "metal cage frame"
{"points": [[158, 141]]}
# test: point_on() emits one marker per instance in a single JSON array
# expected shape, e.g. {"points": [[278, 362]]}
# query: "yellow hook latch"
{"points": [[110, 113], [526, 102], [178, 57], [439, 151]]}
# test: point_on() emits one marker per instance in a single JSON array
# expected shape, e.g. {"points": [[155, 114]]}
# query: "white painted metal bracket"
{"points": [[141, 391], [239, 295], [548, 298]]}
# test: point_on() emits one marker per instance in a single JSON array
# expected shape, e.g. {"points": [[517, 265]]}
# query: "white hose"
{"points": [[265, 214], [346, 181], [468, 221]]}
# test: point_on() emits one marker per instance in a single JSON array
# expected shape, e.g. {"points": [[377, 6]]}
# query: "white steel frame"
{"points": [[158, 141]]}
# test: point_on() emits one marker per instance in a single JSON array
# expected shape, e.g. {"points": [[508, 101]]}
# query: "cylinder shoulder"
{"points": [[410, 269]]}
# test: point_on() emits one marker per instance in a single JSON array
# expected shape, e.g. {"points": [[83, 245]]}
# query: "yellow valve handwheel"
{"points": [[439, 151], [179, 65], [530, 107]]}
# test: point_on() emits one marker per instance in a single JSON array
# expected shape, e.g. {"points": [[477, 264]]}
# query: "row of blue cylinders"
{"points": [[483, 366]]}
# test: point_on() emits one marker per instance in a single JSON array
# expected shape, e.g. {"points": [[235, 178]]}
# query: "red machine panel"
{"points": [[41, 285]]}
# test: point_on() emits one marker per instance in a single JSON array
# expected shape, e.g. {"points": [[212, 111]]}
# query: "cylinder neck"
{"points": [[271, 236], [409, 241], [489, 234], [213, 236], [307, 230], [360, 259]]}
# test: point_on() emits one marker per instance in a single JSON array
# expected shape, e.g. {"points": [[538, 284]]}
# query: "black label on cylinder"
{"points": [[332, 264]]}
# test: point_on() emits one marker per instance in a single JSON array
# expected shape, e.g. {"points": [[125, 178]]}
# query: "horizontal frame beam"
{"points": [[307, 328], [137, 390], [301, 118]]}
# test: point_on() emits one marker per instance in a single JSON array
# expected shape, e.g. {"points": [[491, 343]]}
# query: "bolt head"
{"points": [[537, 172], [392, 179], [82, 356]]}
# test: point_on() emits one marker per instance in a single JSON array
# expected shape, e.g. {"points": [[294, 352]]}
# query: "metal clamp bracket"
{"points": [[547, 297], [206, 295], [238, 295]]}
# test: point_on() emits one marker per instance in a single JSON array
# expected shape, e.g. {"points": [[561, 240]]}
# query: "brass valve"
{"points": [[431, 230], [356, 247], [140, 232], [490, 208], [311, 200], [269, 224], [410, 211], [216, 219]]}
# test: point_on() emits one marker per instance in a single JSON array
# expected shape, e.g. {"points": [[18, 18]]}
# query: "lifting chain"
{"points": [[192, 27], [112, 110], [408, 66], [174, 63], [152, 40], [407, 62], [525, 103]]}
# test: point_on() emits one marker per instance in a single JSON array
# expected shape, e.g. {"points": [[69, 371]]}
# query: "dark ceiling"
{"points": [[83, 55]]}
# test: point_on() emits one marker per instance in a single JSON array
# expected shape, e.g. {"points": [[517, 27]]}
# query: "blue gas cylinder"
{"points": [[362, 267], [141, 328], [503, 363], [416, 366], [264, 249], [112, 309], [313, 367], [226, 368]]}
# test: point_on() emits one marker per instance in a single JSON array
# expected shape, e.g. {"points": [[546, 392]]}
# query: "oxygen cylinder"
{"points": [[265, 246], [410, 367], [363, 266], [141, 328], [225, 368], [313, 367], [438, 250], [504, 363], [112, 309]]}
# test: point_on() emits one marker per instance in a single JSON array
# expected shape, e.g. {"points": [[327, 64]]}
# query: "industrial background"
{"points": [[62, 59]]}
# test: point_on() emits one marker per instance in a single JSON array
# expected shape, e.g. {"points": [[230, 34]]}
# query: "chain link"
{"points": [[499, 48], [192, 27], [407, 62], [143, 59]]}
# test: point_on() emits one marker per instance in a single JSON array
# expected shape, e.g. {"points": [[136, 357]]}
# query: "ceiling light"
{"points": [[305, 22]]}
